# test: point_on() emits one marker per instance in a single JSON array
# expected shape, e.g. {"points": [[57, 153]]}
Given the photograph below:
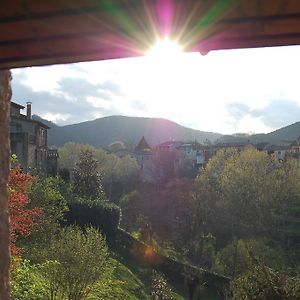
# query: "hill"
{"points": [[284, 135], [103, 131]]}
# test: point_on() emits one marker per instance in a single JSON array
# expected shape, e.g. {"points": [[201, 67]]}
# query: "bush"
{"points": [[129, 204], [79, 260], [97, 213], [247, 252], [27, 282], [46, 194], [262, 283]]}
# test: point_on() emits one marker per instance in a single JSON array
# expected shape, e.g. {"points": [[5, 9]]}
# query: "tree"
{"points": [[69, 154], [119, 174], [82, 259], [251, 192], [251, 188], [248, 252], [164, 165], [262, 282], [50, 194], [116, 146], [87, 180], [23, 218]]}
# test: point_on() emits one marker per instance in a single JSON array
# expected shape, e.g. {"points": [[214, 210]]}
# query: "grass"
{"points": [[132, 280], [124, 284]]}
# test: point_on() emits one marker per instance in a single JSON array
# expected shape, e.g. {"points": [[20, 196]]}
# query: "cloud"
{"points": [[80, 88], [71, 101], [238, 110], [276, 114], [279, 113]]}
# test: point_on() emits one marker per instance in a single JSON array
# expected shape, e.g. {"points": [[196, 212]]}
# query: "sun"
{"points": [[164, 69], [165, 49]]}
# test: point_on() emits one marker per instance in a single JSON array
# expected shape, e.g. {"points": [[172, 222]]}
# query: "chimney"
{"points": [[28, 109]]}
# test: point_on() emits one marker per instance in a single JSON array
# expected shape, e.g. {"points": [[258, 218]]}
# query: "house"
{"points": [[280, 151], [295, 149], [143, 153], [194, 152], [29, 141]]}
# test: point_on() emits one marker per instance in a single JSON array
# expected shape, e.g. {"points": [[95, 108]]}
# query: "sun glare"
{"points": [[165, 49]]}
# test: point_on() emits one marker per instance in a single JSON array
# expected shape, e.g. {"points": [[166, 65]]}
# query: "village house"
{"points": [[29, 142], [280, 151]]}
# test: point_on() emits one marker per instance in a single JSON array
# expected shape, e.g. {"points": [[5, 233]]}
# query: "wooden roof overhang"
{"points": [[35, 32]]}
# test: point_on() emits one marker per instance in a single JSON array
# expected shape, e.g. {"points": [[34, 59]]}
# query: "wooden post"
{"points": [[5, 95]]}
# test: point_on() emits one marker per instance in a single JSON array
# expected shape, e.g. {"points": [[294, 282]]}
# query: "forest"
{"points": [[239, 217]]}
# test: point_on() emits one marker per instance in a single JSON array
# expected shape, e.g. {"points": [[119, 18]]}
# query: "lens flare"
{"points": [[166, 49]]}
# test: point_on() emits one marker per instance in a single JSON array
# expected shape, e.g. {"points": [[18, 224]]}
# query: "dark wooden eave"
{"points": [[35, 32]]}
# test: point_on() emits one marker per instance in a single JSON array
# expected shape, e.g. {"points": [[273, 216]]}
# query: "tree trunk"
{"points": [[235, 253], [5, 95]]}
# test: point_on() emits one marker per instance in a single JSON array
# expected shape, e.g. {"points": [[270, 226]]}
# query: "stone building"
{"points": [[29, 142]]}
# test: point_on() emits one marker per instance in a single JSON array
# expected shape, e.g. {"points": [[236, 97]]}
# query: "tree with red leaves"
{"points": [[22, 218]]}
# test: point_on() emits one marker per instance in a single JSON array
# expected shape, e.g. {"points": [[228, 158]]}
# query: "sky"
{"points": [[231, 91]]}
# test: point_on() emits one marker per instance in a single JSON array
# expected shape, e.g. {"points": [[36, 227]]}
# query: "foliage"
{"points": [[123, 284], [120, 174], [202, 251], [163, 167], [87, 180], [262, 282], [129, 206], [145, 229], [22, 218], [27, 282], [159, 288], [82, 261], [116, 146], [249, 191], [248, 251], [98, 213], [46, 193], [69, 154]]}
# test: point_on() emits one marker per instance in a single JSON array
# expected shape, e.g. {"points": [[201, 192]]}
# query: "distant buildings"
{"points": [[177, 158], [29, 142]]}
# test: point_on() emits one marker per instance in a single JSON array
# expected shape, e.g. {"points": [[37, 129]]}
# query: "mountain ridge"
{"points": [[103, 131]]}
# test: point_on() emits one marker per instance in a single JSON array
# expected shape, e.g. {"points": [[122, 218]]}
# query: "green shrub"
{"points": [[46, 194], [247, 252], [97, 213], [26, 281], [78, 261], [262, 282]]}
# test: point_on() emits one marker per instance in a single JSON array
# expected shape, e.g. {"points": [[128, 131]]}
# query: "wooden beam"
{"points": [[5, 95]]}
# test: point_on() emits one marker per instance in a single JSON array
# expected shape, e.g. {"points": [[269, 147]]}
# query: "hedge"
{"points": [[99, 213]]}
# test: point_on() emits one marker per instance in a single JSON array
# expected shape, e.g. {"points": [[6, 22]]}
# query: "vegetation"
{"points": [[238, 218], [262, 282], [98, 213], [73, 263], [23, 219], [118, 175], [87, 181], [159, 288]]}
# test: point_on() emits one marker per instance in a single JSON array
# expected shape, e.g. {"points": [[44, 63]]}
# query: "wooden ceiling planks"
{"points": [[34, 32]]}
